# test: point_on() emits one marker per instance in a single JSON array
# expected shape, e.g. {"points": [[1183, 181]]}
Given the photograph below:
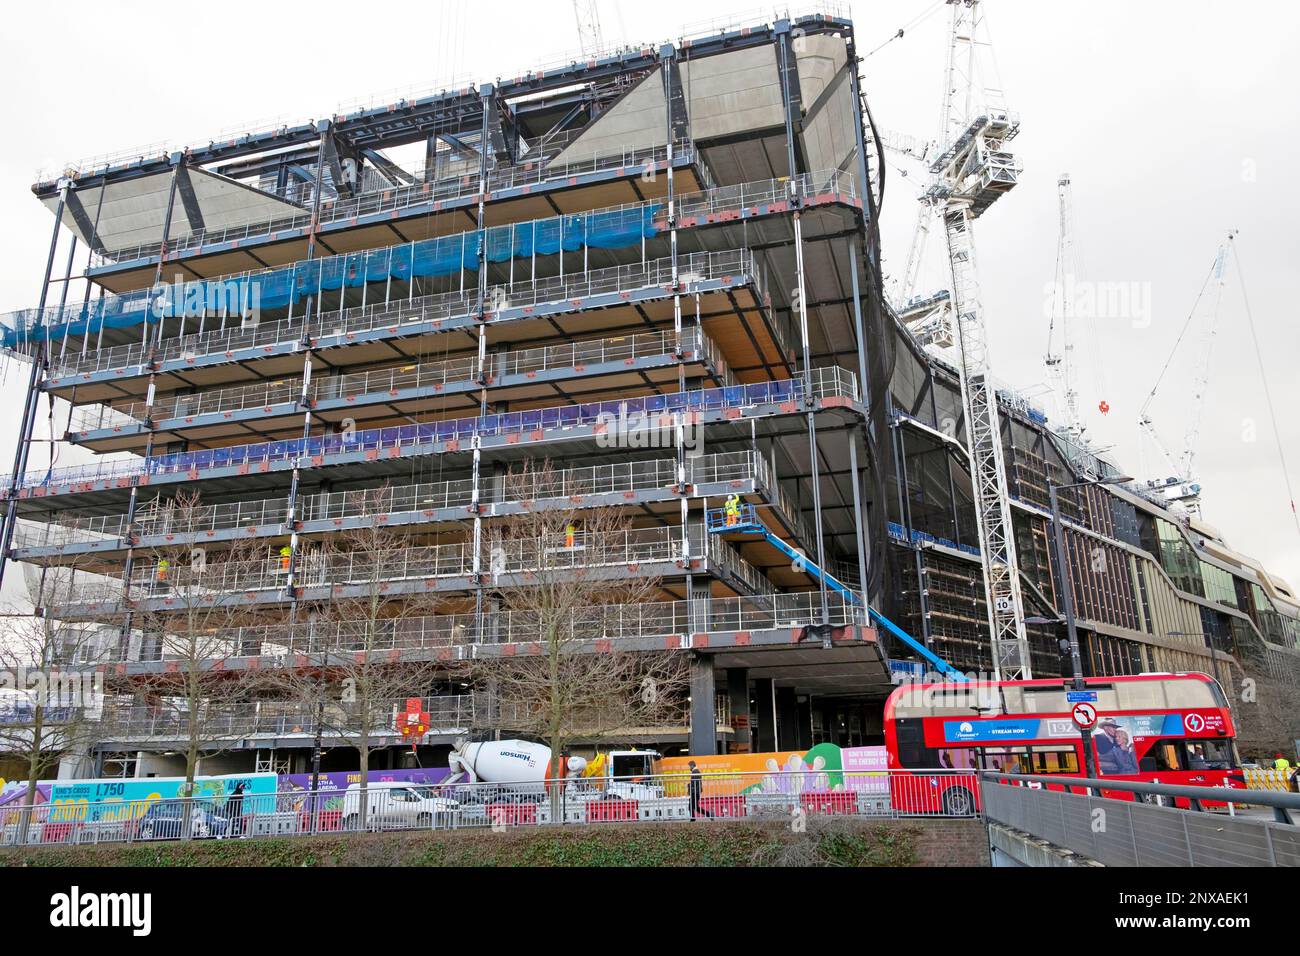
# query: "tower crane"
{"points": [[969, 172], [1181, 486], [590, 40], [1060, 364]]}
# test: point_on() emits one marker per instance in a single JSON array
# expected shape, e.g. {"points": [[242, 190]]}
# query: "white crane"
{"points": [[971, 170], [1060, 363], [1181, 486], [590, 40]]}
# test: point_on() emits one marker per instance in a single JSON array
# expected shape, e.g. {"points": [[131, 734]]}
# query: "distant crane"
{"points": [[969, 172], [590, 40], [1181, 486], [1060, 362]]}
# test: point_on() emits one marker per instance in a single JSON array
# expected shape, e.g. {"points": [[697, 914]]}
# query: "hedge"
{"points": [[826, 842]]}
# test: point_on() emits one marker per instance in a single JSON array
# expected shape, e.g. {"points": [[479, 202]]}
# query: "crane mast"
{"points": [[1192, 435], [1182, 487], [590, 40], [971, 171], [1060, 364]]}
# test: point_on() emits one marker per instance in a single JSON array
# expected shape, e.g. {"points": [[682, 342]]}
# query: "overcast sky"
{"points": [[1176, 121]]}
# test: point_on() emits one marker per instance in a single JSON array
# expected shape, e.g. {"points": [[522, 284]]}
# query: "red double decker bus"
{"points": [[1170, 728]]}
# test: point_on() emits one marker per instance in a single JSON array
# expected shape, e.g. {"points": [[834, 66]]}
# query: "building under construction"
{"points": [[680, 235]]}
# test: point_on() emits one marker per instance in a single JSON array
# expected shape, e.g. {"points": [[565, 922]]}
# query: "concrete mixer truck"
{"points": [[520, 768]]}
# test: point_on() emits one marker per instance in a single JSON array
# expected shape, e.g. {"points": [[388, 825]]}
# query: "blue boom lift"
{"points": [[743, 519]]}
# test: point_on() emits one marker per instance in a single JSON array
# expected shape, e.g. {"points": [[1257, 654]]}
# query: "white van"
{"points": [[392, 805]]}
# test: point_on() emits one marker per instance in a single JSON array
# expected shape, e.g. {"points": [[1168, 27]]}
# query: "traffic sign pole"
{"points": [[1089, 769], [1084, 715]]}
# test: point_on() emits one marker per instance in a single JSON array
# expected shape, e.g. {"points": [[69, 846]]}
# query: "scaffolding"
{"points": [[389, 348]]}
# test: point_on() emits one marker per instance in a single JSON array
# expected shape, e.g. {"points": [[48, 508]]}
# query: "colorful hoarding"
{"points": [[825, 767], [125, 798], [295, 788]]}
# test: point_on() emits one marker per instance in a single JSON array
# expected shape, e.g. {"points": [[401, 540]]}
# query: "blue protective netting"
{"points": [[641, 413], [280, 288]]}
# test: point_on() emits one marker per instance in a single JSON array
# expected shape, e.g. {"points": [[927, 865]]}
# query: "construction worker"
{"points": [[161, 573], [284, 558], [1281, 763], [732, 510], [570, 535]]}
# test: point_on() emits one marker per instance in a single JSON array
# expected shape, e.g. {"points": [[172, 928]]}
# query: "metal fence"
{"points": [[560, 485], [409, 310], [536, 171], [1118, 832], [786, 796], [168, 718], [642, 413], [657, 620], [213, 582], [389, 381]]}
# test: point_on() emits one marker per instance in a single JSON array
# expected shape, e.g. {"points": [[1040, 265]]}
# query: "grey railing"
{"points": [[1137, 832], [456, 804]]}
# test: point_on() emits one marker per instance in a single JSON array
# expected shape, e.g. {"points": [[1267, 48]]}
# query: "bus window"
{"points": [[1175, 754], [912, 751], [1054, 760], [956, 758], [1164, 756], [1210, 755], [1004, 759], [1164, 694]]}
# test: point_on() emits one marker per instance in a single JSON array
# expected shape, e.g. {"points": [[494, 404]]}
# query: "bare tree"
{"points": [[191, 598], [53, 691], [566, 578], [1265, 708], [372, 644]]}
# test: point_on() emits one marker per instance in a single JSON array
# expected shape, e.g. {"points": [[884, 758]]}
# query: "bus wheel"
{"points": [[958, 802]]}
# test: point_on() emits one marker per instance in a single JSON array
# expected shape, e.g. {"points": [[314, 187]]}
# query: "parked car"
{"points": [[394, 805], [166, 820]]}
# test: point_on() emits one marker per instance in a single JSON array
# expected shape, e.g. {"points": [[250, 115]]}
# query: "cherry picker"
{"points": [[742, 518]]}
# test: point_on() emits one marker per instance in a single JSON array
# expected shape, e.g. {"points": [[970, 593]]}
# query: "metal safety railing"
{"points": [[642, 412], [188, 583], [411, 310], [766, 192], [538, 170], [692, 208], [169, 720], [652, 621], [664, 797], [155, 519], [1146, 829], [705, 202], [465, 369]]}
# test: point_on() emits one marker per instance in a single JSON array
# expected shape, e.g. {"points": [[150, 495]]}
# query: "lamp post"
{"points": [[1067, 598], [1067, 588], [318, 743], [1214, 656]]}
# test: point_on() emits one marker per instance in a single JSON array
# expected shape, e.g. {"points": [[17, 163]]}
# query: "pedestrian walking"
{"points": [[696, 790], [235, 810]]}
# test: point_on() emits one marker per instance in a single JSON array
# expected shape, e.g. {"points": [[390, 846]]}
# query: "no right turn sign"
{"points": [[1084, 715]]}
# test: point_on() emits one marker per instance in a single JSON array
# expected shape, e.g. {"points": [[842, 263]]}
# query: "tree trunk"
{"points": [[33, 773], [363, 751]]}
